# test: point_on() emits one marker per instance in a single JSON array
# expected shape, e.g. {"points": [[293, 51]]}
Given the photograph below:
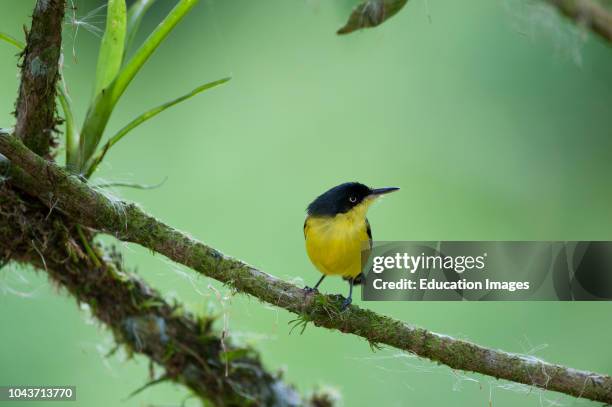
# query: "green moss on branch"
{"points": [[127, 222], [35, 107], [189, 350]]}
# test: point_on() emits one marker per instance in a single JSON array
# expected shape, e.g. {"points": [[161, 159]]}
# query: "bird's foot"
{"points": [[346, 303], [310, 290]]}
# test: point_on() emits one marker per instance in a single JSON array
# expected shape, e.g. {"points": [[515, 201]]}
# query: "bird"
{"points": [[336, 230]]}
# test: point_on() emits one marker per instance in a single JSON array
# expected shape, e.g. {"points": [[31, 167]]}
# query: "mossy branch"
{"points": [[587, 13], [187, 347], [35, 109], [84, 205]]}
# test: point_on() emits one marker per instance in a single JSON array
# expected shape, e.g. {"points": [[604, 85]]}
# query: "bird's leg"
{"points": [[349, 300], [313, 289]]}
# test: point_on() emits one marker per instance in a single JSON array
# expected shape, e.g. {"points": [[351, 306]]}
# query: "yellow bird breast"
{"points": [[334, 244]]}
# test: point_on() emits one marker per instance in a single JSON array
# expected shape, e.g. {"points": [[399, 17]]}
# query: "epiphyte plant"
{"points": [[114, 72]]}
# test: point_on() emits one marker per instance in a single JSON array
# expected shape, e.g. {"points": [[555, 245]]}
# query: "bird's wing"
{"points": [[365, 254], [369, 230]]}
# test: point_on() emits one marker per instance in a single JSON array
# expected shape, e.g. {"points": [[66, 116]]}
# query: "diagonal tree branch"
{"points": [[588, 13], [185, 346], [82, 204], [35, 107]]}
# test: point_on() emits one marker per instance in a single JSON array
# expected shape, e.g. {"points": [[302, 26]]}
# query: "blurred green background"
{"points": [[492, 116]]}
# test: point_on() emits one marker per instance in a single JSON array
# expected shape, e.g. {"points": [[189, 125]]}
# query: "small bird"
{"points": [[337, 230]]}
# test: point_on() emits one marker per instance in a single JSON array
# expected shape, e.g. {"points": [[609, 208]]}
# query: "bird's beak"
{"points": [[381, 191]]}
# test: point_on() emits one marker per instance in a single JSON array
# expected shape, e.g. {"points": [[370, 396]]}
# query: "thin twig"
{"points": [[42, 258], [88, 249], [587, 13]]}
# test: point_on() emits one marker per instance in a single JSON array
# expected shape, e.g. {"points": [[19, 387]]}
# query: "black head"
{"points": [[343, 198]]}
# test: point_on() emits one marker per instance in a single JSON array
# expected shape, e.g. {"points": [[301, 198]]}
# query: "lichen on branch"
{"points": [[35, 108]]}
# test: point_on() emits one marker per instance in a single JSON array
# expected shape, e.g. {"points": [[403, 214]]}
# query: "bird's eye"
{"points": [[353, 199]]}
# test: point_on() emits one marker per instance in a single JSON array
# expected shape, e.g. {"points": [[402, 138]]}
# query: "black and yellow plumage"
{"points": [[337, 231]]}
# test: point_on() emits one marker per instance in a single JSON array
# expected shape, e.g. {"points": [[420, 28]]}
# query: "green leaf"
{"points": [[110, 58], [101, 108], [112, 46], [95, 161], [134, 17], [95, 122], [12, 40], [149, 46], [371, 13], [72, 132]]}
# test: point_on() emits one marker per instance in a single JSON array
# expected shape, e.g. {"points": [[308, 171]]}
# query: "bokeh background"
{"points": [[492, 116]]}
